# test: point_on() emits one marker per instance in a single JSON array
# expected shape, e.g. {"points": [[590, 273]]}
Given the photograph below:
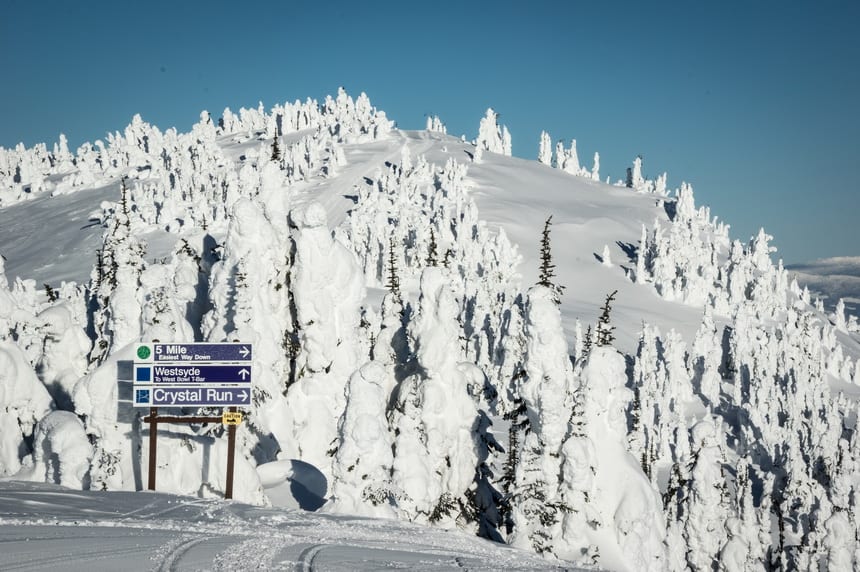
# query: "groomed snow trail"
{"points": [[46, 527]]}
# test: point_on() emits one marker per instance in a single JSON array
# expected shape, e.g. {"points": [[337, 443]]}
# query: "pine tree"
{"points": [[276, 149], [519, 425], [604, 328], [547, 268], [124, 203], [432, 255], [634, 439], [51, 293], [292, 335], [507, 480], [586, 345], [577, 414], [98, 271], [449, 256], [538, 503], [393, 283], [115, 302]]}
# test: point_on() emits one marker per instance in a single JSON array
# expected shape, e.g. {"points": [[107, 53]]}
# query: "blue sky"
{"points": [[754, 103]]}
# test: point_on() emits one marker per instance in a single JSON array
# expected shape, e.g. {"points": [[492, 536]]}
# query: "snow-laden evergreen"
{"points": [[545, 151], [434, 416], [636, 180], [491, 136], [115, 285], [24, 401], [364, 460], [327, 291], [573, 478], [566, 160], [249, 303], [546, 388], [61, 451], [434, 124]]}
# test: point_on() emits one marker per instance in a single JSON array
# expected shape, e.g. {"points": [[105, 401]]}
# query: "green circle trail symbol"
{"points": [[143, 352]]}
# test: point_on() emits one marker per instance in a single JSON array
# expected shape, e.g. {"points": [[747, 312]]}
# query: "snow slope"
{"points": [[51, 239], [47, 527]]}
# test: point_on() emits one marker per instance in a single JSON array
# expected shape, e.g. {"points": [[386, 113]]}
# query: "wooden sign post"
{"points": [[153, 444], [231, 448], [154, 419]]}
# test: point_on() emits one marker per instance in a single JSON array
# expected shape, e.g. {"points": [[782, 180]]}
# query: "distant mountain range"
{"points": [[832, 279]]}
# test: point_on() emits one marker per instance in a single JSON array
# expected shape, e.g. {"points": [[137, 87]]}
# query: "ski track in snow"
{"points": [[170, 561], [45, 527], [44, 547], [306, 558]]}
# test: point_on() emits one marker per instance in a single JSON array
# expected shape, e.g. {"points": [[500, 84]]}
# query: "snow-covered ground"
{"points": [[47, 527]]}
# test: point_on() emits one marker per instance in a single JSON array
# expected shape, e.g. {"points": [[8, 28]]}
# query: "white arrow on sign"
{"points": [[244, 351], [243, 373], [243, 395]]}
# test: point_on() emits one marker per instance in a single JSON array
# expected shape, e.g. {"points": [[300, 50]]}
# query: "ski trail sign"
{"points": [[195, 352]]}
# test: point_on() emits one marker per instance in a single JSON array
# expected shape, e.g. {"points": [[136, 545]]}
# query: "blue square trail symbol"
{"points": [[141, 396], [143, 374]]}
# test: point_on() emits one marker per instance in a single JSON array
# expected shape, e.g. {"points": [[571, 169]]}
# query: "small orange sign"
{"points": [[231, 418]]}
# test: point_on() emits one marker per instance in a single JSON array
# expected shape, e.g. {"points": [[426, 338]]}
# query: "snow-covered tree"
{"points": [[604, 325], [65, 346], [648, 379], [571, 162], [23, 402], [250, 304], [631, 509], [634, 174], [839, 316], [546, 389], [492, 137], [605, 257], [435, 125], [328, 290], [115, 284], [595, 169], [703, 499], [364, 457], [706, 357], [61, 451], [547, 268], [545, 151], [435, 416]]}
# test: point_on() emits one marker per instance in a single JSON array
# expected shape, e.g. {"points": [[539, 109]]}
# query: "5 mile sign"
{"points": [[192, 375], [233, 352]]}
